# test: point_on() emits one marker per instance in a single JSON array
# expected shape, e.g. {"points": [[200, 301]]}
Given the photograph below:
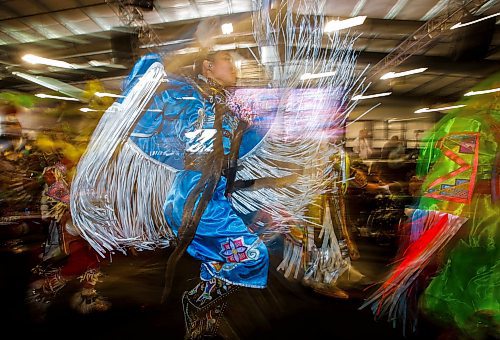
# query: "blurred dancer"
{"points": [[322, 250], [199, 131], [21, 165], [231, 256], [66, 256], [455, 227]]}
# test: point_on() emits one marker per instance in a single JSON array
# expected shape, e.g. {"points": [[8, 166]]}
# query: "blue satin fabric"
{"points": [[222, 241], [161, 131], [166, 141], [227, 249]]}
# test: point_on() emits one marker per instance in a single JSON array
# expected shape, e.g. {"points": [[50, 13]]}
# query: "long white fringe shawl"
{"points": [[118, 192], [392, 297], [305, 117]]}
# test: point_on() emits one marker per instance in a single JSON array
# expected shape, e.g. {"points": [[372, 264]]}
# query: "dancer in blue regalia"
{"points": [[200, 133]]}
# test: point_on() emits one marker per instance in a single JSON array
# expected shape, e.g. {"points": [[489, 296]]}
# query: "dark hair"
{"points": [[200, 58]]}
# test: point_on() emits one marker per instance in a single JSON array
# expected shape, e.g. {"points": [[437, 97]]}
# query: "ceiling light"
{"points": [[307, 76], [86, 109], [337, 25], [426, 109], [224, 47], [33, 59], [392, 120], [54, 85], [360, 97], [474, 93], [104, 94], [458, 25], [43, 95], [96, 63], [391, 75], [227, 28]]}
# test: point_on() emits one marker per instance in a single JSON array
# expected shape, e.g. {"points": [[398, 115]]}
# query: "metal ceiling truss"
{"points": [[131, 15], [427, 33]]}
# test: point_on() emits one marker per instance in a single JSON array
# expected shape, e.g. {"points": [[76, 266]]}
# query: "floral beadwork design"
{"points": [[235, 250]]}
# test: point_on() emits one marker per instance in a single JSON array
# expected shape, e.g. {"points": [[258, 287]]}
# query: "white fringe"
{"points": [[118, 192], [327, 262], [306, 115]]}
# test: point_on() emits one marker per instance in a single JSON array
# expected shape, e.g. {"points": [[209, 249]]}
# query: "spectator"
{"points": [[393, 149], [362, 146]]}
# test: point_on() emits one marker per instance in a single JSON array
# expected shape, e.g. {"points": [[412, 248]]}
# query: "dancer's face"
{"points": [[222, 69]]}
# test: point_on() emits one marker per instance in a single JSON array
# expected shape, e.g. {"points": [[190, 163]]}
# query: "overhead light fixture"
{"points": [[307, 76], [86, 109], [227, 28], [426, 109], [54, 85], [337, 25], [104, 94], [96, 63], [459, 25], [225, 47], [360, 97], [474, 93], [391, 75], [33, 59], [392, 120], [43, 95]]}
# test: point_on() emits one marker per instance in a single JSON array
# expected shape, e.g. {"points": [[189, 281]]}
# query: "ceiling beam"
{"points": [[424, 35]]}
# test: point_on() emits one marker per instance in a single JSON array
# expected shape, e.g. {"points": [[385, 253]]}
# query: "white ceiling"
{"points": [[34, 20]]}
